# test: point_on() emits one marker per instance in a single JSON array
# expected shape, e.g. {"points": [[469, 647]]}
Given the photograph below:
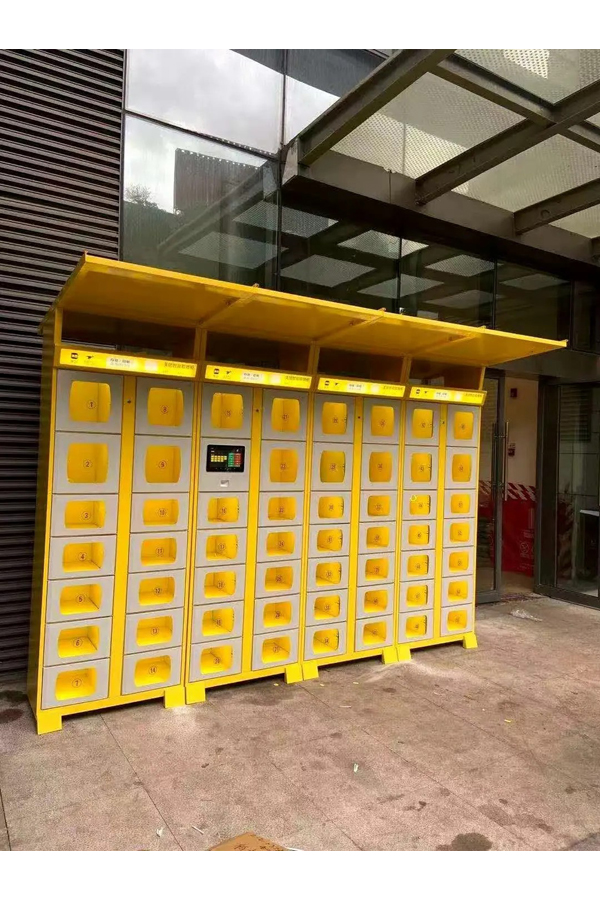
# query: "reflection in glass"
{"points": [[487, 497], [441, 283], [577, 518], [586, 317], [532, 302], [221, 93], [338, 261], [196, 206], [317, 78]]}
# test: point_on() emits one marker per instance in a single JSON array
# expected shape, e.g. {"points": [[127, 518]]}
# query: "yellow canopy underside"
{"points": [[124, 290]]}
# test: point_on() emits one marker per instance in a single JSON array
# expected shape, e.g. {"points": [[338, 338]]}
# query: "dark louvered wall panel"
{"points": [[60, 163]]}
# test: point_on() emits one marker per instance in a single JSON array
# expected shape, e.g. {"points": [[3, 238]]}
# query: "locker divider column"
{"points": [[377, 546], [253, 512], [421, 526], [439, 532], [123, 531]]}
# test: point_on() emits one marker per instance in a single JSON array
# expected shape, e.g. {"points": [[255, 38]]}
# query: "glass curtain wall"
{"points": [[577, 518], [203, 131]]}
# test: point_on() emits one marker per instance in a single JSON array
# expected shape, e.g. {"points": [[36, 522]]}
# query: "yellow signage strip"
{"points": [[447, 395], [370, 388], [78, 358], [258, 377]]}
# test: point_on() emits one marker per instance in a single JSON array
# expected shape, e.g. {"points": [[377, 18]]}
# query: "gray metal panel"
{"points": [[383, 416], [323, 607], [158, 637], [222, 432], [272, 430], [144, 387], [217, 622], [279, 543], [274, 651], [64, 386], [275, 613], [324, 640], [335, 505], [373, 633], [149, 671], [93, 600], [61, 148], [162, 549], [77, 642], [147, 448], [456, 620], [83, 682], [84, 515], [166, 514], [151, 591], [214, 659]]}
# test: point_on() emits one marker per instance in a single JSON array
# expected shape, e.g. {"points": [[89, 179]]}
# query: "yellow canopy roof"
{"points": [[124, 290]]}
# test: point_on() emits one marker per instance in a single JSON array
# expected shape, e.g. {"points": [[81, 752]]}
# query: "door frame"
{"points": [[498, 485]]}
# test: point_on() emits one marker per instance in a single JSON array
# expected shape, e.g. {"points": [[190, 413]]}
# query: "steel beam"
{"points": [[383, 84], [557, 207], [471, 77], [508, 143]]}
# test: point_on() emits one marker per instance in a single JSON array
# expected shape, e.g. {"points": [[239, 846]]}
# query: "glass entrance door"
{"points": [[578, 505], [491, 470]]}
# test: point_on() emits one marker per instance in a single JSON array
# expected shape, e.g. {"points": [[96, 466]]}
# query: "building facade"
{"points": [[187, 160]]}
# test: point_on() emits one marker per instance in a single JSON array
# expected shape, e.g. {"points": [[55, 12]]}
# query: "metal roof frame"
{"points": [[541, 121]]}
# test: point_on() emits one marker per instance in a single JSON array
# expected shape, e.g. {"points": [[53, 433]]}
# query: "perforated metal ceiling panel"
{"points": [[426, 125], [550, 74], [549, 168], [60, 159]]}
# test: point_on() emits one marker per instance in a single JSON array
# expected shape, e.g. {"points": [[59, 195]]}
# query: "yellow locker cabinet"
{"points": [[278, 484]]}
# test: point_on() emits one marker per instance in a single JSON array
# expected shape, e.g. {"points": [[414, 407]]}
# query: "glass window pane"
{"points": [[196, 206], [586, 317], [549, 74], [551, 167], [221, 93], [578, 464], [531, 302], [338, 261], [317, 78], [443, 283], [426, 125]]}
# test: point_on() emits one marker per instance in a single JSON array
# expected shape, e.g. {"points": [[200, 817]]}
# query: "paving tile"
{"points": [[370, 699], [52, 774], [203, 809], [348, 770], [273, 714], [155, 739], [438, 742], [575, 754], [18, 729], [541, 805], [442, 823], [323, 836], [114, 820]]}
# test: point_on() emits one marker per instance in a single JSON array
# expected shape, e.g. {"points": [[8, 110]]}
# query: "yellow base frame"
{"points": [[195, 691], [48, 720], [468, 640]]}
